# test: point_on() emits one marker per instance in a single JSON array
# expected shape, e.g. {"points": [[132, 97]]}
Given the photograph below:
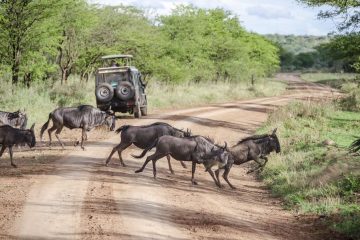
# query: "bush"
{"points": [[351, 102]]}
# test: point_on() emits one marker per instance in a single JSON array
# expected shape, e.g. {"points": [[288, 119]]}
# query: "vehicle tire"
{"points": [[137, 112], [104, 92], [125, 91], [143, 111]]}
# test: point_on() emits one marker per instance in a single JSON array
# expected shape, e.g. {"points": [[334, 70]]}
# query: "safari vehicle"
{"points": [[119, 86]]}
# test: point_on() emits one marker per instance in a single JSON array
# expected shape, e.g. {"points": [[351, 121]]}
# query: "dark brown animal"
{"points": [[85, 117], [10, 136], [143, 137]]}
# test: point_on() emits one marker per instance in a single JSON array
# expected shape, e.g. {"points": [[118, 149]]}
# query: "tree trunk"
{"points": [[27, 79], [15, 68], [65, 73]]}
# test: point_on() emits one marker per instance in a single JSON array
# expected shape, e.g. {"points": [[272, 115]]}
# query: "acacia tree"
{"points": [[346, 10], [19, 19]]}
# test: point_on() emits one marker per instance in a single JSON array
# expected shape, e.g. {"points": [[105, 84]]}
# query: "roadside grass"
{"points": [[41, 98], [313, 177], [167, 96], [335, 80]]}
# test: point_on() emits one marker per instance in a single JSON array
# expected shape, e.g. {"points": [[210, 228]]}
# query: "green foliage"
{"points": [[313, 177], [191, 44], [339, 9]]}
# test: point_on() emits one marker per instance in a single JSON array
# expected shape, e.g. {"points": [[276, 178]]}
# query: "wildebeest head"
{"points": [[220, 153], [29, 135], [110, 120], [181, 133], [274, 142]]}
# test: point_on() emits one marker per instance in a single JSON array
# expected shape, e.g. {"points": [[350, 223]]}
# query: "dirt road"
{"points": [[77, 197]]}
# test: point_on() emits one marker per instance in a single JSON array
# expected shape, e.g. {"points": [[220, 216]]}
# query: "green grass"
{"points": [[193, 94], [313, 177], [335, 80]]}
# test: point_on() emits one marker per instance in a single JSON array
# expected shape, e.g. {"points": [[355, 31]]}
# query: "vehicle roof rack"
{"points": [[117, 56]]}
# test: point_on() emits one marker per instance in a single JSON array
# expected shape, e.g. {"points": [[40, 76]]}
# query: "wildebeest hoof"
{"points": [[83, 148], [194, 183], [137, 171], [123, 165], [172, 172], [14, 165], [76, 143]]}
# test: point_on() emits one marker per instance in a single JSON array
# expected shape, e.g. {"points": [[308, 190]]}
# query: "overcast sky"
{"points": [[261, 16]]}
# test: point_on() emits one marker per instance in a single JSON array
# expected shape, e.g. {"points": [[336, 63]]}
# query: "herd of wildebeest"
{"points": [[167, 140]]}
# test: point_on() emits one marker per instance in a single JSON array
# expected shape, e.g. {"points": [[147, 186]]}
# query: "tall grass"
{"points": [[311, 176], [41, 98], [192, 94]]}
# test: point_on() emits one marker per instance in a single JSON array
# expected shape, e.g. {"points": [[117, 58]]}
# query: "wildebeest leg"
{"points": [[213, 177], [217, 172], [11, 157], [193, 173], [170, 168], [119, 148], [2, 150], [259, 166], [225, 176], [153, 157], [58, 131], [50, 130], [183, 164], [83, 135]]}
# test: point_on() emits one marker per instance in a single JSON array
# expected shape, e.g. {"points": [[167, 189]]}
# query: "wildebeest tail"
{"points": [[45, 126], [122, 128], [147, 149]]}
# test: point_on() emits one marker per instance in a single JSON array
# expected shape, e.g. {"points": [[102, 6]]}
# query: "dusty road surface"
{"points": [[76, 197]]}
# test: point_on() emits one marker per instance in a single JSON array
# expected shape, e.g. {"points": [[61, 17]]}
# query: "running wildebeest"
{"points": [[144, 136], [195, 149], [16, 119], [255, 148], [85, 117], [10, 136]]}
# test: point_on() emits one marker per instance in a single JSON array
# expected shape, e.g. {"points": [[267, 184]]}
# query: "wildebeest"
{"points": [[255, 148], [355, 146], [10, 136], [195, 149], [16, 119], [85, 117], [144, 136]]}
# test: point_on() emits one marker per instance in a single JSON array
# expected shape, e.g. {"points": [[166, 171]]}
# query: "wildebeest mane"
{"points": [[254, 138]]}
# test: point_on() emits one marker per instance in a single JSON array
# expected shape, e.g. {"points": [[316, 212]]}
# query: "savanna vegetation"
{"points": [[316, 174], [50, 49]]}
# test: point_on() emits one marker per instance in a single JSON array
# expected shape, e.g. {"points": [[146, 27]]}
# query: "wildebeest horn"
{"points": [[225, 145], [32, 127], [274, 131]]}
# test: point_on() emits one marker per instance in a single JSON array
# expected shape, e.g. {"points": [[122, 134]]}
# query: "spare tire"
{"points": [[104, 92], [125, 91]]}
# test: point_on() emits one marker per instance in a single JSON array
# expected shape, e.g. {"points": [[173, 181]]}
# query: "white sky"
{"points": [[261, 16]]}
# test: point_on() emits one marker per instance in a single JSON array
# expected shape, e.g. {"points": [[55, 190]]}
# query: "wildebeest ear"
{"points": [[32, 127], [274, 131]]}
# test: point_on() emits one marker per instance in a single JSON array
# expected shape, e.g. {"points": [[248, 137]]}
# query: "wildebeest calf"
{"points": [[10, 136], [143, 137], [85, 117], [16, 119]]}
